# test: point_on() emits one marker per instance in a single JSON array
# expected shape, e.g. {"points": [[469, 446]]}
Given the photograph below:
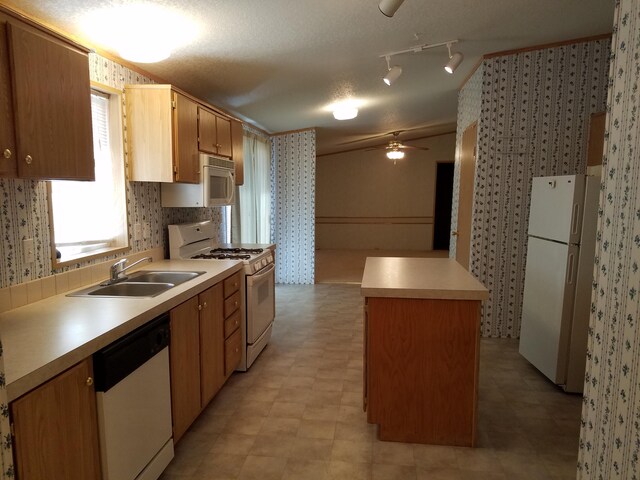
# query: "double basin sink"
{"points": [[144, 283]]}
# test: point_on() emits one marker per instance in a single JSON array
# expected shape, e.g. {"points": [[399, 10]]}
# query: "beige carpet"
{"points": [[347, 266]]}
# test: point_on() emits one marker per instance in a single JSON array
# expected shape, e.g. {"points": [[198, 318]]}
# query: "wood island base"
{"points": [[421, 369]]}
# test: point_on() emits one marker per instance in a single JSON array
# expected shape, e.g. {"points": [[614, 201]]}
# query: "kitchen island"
{"points": [[421, 339]]}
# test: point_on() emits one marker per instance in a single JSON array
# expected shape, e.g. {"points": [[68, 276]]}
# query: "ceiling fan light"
{"points": [[389, 7], [392, 75], [395, 154], [453, 63]]}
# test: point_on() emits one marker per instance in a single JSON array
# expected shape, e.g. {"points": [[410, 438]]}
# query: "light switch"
{"points": [[28, 251], [146, 230], [137, 232]]}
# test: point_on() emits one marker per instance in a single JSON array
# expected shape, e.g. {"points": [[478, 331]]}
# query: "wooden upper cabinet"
{"points": [[214, 133], [207, 138], [64, 408], [162, 134], [237, 141], [223, 129], [45, 107], [8, 167], [186, 161]]}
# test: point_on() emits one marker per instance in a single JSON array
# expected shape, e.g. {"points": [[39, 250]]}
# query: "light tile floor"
{"points": [[297, 414]]}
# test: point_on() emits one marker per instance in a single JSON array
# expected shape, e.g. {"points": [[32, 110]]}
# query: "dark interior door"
{"points": [[444, 194]]}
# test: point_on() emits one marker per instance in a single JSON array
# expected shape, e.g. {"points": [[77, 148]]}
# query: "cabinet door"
{"points": [[211, 342], [52, 102], [56, 429], [7, 133], [206, 131], [186, 140], [223, 132], [237, 150], [185, 366]]}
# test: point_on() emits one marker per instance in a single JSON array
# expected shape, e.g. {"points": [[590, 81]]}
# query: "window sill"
{"points": [[84, 256]]}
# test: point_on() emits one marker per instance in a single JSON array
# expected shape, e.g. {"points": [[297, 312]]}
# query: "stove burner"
{"points": [[222, 256], [253, 251]]}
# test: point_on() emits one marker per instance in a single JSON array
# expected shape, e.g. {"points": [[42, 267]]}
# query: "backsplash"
{"points": [[533, 121], [24, 206]]}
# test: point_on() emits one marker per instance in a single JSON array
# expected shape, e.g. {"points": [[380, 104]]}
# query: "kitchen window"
{"points": [[89, 219]]}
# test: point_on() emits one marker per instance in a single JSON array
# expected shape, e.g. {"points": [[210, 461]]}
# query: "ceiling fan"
{"points": [[395, 148]]}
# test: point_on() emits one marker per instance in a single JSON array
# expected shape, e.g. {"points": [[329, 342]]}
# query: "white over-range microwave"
{"points": [[216, 187]]}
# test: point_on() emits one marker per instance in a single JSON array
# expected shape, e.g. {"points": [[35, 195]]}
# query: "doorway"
{"points": [[442, 211], [465, 198]]}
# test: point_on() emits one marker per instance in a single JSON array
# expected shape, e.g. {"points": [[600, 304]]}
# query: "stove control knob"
{"points": [[264, 262], [269, 259], [256, 267]]}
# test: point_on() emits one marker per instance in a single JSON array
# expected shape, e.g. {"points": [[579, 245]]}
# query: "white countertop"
{"points": [[435, 278], [45, 338]]}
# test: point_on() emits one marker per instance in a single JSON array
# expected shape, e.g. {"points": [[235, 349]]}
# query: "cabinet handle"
{"points": [[28, 159], [7, 153], [89, 381], [199, 307]]}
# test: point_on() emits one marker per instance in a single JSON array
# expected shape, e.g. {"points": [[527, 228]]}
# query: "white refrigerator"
{"points": [[559, 276]]}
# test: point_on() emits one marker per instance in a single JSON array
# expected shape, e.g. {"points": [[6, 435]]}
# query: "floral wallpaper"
{"points": [[610, 433], [293, 171], [6, 455], [533, 121]]}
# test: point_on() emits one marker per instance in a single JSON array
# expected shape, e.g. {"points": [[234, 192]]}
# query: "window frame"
{"points": [[116, 136]]}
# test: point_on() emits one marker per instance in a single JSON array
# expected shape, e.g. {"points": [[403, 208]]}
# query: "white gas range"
{"points": [[197, 241]]}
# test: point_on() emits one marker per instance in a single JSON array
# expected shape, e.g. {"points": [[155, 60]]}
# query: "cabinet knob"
{"points": [[235, 285], [7, 153], [204, 305], [89, 381], [199, 307], [28, 159], [237, 323], [237, 349], [235, 304]]}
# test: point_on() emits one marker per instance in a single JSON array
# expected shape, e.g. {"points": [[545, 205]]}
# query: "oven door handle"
{"points": [[261, 273]]}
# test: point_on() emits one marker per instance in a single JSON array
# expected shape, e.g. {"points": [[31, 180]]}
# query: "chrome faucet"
{"points": [[117, 270]]}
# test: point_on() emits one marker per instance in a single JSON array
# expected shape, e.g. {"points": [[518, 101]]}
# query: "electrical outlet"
{"points": [[137, 232], [28, 251], [146, 230]]}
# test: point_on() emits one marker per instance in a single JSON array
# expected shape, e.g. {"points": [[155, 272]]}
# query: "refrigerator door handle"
{"points": [[570, 268], [574, 218]]}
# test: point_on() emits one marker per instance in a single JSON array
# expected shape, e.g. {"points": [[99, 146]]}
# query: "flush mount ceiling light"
{"points": [[389, 7], [345, 110], [140, 32], [393, 73], [454, 60]]}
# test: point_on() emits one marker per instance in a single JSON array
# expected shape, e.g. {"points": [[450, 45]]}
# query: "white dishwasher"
{"points": [[134, 403]]}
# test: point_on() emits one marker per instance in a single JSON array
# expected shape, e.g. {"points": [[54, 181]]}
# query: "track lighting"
{"points": [[393, 73], [389, 7], [454, 60]]}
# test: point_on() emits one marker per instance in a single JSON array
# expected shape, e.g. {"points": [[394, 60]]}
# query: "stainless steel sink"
{"points": [[140, 284], [162, 277]]}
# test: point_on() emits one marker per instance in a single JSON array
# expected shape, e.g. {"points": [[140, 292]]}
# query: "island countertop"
{"points": [[436, 278]]}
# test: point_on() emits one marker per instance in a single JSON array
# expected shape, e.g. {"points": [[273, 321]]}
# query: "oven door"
{"points": [[261, 302]]}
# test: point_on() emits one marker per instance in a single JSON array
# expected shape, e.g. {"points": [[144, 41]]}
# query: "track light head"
{"points": [[454, 61], [389, 7], [392, 75]]}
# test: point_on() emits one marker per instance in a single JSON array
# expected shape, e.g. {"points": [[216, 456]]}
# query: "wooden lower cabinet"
{"points": [[56, 428], [199, 361], [211, 343], [184, 352], [421, 369]]}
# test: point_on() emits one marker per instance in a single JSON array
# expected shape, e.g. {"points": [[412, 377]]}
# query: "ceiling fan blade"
{"points": [[413, 147]]}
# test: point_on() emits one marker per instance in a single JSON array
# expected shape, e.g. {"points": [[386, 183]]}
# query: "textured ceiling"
{"points": [[279, 63]]}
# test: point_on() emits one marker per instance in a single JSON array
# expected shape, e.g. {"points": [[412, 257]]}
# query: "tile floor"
{"points": [[297, 413]]}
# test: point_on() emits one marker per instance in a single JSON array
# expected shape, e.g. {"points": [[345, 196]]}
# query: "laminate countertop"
{"points": [[45, 338], [434, 278]]}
